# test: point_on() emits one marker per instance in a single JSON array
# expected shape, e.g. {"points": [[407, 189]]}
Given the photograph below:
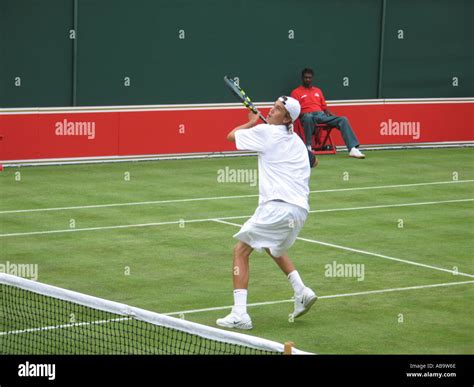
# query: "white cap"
{"points": [[292, 106]]}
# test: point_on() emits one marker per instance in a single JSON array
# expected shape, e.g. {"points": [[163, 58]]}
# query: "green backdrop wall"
{"points": [[35, 50], [177, 51]]}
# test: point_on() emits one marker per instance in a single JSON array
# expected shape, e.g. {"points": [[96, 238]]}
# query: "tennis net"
{"points": [[36, 318]]}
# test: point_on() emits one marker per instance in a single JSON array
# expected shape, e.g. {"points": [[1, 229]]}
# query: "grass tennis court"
{"points": [[183, 261]]}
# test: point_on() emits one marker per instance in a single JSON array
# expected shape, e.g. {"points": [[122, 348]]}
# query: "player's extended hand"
{"points": [[253, 117]]}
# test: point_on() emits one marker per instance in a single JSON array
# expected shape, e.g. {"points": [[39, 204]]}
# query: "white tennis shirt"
{"points": [[283, 165]]}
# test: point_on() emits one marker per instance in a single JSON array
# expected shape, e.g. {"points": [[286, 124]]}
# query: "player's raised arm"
{"points": [[253, 119]]}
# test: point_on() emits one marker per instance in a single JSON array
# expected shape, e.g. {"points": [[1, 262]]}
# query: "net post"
{"points": [[289, 345]]}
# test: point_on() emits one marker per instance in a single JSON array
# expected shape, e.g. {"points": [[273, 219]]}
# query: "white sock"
{"points": [[296, 282], [240, 301]]}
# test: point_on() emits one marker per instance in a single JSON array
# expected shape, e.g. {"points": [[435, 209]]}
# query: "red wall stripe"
{"points": [[126, 133]]}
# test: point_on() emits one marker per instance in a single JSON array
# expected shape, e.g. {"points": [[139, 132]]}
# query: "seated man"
{"points": [[314, 111]]}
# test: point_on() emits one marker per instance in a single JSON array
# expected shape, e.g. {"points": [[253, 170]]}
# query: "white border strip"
{"points": [[122, 159], [414, 145], [144, 315], [215, 106]]}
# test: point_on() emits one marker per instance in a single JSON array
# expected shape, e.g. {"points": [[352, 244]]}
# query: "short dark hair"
{"points": [[307, 71]]}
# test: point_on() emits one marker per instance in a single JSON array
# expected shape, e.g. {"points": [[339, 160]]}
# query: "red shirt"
{"points": [[311, 100]]}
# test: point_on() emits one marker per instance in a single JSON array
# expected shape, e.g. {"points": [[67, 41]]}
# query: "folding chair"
{"points": [[321, 142]]}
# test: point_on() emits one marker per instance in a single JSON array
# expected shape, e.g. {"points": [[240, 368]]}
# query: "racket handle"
{"points": [[253, 109]]}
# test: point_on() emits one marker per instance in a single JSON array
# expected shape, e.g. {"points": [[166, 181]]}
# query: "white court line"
{"points": [[390, 206], [183, 221], [325, 297], [224, 197], [365, 252], [183, 312], [51, 327], [385, 257], [113, 227]]}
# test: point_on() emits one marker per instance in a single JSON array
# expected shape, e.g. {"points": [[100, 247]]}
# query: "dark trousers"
{"points": [[308, 121]]}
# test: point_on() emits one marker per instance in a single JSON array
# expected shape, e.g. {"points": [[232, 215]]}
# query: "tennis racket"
{"points": [[242, 96]]}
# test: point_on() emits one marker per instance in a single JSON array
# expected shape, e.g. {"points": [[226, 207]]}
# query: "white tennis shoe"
{"points": [[356, 153], [234, 321], [304, 302]]}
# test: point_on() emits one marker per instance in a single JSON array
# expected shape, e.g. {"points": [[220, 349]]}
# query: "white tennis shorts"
{"points": [[274, 225]]}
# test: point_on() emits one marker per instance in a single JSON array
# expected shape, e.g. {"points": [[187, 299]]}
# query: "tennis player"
{"points": [[284, 173]]}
